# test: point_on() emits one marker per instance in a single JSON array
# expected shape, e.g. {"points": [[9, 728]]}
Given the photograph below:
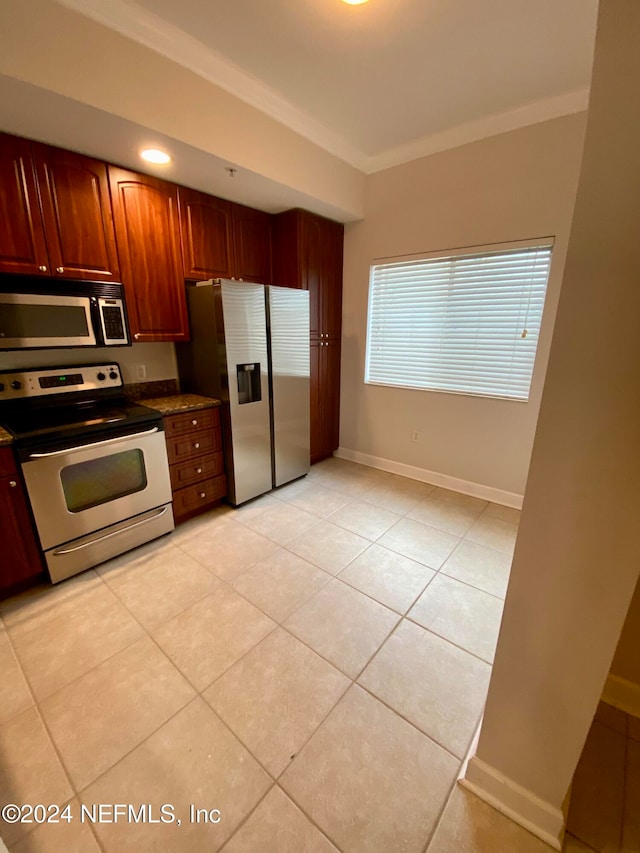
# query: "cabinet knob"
{"points": [[198, 470], [196, 445], [194, 422], [42, 268], [136, 336], [203, 494], [59, 269], [13, 484]]}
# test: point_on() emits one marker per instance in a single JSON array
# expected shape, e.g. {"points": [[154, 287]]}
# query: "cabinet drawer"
{"points": [[193, 498], [190, 421], [7, 462], [194, 444], [196, 469]]}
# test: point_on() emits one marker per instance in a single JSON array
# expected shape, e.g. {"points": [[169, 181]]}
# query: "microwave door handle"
{"points": [[90, 446]]}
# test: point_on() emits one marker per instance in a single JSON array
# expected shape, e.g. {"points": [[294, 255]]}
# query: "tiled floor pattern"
{"points": [[604, 811], [313, 665]]}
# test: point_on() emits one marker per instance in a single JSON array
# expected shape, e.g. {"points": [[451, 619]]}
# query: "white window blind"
{"points": [[465, 322]]}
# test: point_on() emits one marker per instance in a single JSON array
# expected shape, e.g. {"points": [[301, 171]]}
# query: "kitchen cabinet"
{"points": [[325, 398], [252, 244], [145, 211], [23, 248], [308, 254], [221, 239], [196, 466], [76, 209], [21, 560], [206, 223], [56, 213]]}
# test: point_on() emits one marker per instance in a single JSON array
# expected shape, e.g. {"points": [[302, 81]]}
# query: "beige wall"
{"points": [[159, 359], [513, 186], [626, 661], [577, 556]]}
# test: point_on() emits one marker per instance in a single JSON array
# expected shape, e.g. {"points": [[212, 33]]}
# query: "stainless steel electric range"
{"points": [[94, 464]]}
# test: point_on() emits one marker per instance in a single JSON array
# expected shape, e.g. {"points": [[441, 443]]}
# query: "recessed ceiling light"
{"points": [[152, 155], [355, 2]]}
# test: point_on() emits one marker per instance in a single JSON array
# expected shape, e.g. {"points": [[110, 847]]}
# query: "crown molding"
{"points": [[152, 31], [473, 131]]}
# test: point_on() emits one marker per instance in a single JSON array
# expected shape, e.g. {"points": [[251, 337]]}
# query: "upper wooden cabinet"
{"points": [[23, 248], [145, 211], [207, 235], [221, 239], [308, 254], [56, 213], [76, 208], [252, 244]]}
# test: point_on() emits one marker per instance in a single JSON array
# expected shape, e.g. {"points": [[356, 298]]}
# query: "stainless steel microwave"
{"points": [[35, 314]]}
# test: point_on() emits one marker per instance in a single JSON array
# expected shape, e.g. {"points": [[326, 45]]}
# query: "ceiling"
{"points": [[383, 82], [364, 87]]}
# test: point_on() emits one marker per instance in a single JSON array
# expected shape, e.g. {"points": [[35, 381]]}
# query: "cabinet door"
{"points": [[331, 241], [313, 269], [20, 558], [325, 398], [22, 244], [76, 209], [252, 244], [206, 225], [145, 212]]}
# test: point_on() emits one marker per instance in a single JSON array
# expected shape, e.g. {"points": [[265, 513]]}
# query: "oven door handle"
{"points": [[60, 551], [90, 446]]}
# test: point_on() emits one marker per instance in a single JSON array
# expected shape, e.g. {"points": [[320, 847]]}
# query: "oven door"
{"points": [[77, 490]]}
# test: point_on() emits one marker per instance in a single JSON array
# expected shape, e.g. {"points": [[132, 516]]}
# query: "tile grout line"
{"points": [[227, 584]]}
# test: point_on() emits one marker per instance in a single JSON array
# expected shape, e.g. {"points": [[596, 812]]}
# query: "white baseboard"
{"points": [[521, 805], [622, 694], [467, 487]]}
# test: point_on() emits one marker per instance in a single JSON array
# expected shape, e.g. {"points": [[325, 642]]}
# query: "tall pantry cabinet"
{"points": [[308, 254]]}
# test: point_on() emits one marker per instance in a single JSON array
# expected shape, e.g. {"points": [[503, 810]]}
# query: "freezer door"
{"points": [[289, 329], [245, 335]]}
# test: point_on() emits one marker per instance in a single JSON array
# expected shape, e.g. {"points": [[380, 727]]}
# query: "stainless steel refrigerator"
{"points": [[250, 348]]}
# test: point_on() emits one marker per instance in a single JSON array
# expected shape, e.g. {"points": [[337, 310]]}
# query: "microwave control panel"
{"points": [[41, 382]]}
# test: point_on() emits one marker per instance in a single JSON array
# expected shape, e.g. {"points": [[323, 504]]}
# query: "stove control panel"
{"points": [[45, 381]]}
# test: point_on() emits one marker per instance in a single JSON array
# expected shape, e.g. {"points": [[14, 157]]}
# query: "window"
{"points": [[466, 321]]}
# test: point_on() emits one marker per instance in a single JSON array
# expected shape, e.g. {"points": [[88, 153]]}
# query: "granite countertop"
{"points": [[180, 403], [5, 438]]}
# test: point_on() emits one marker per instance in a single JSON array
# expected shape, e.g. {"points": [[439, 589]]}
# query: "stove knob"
{"points": [[101, 376], [113, 375], [16, 385]]}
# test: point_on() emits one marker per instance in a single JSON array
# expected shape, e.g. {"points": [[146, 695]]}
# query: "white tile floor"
{"points": [[314, 665]]}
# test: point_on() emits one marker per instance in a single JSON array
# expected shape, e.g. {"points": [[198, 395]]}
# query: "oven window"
{"points": [[98, 481]]}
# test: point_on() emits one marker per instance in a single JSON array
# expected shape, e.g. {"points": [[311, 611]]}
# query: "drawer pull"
{"points": [[13, 484], [195, 422], [196, 445], [198, 470], [203, 494]]}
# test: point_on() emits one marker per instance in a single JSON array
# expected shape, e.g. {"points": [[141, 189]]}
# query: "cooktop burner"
{"points": [[74, 420], [59, 404]]}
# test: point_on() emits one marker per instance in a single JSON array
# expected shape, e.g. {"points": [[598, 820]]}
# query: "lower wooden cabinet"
{"points": [[20, 558], [325, 398], [196, 466]]}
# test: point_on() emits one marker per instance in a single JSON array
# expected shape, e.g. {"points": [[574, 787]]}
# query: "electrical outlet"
{"points": [[141, 372], [415, 435]]}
